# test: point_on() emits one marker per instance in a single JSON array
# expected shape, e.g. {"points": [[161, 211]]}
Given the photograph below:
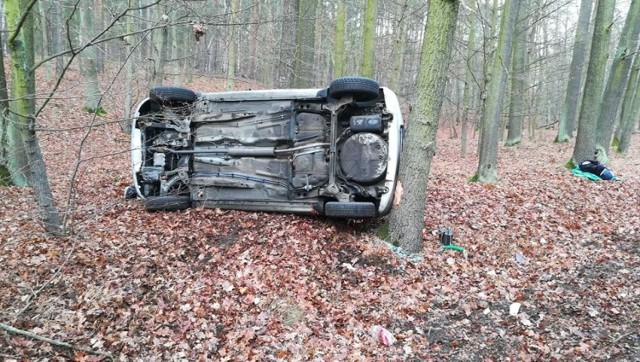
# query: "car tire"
{"points": [[362, 89], [167, 203], [167, 94]]}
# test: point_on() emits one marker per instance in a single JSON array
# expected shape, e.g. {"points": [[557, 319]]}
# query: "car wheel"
{"points": [[167, 203], [362, 89], [166, 94]]}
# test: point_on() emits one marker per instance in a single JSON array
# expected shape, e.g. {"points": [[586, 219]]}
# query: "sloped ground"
{"points": [[229, 285]]}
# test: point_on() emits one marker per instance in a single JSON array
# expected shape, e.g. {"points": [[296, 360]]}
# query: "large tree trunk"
{"points": [[518, 77], [13, 158], [5, 123], [407, 220], [492, 112], [572, 97], [305, 43], [22, 109], [369, 38], [617, 81], [585, 146], [88, 60], [339, 42]]}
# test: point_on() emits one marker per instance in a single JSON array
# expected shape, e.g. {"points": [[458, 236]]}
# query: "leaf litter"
{"points": [[205, 284]]}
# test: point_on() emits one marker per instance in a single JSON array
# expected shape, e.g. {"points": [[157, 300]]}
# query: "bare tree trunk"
{"points": [[617, 81], [407, 220], [232, 56], [572, 97], [23, 108], [399, 46], [585, 146], [97, 27], [57, 41], [339, 43], [287, 43], [468, 79], [305, 43], [255, 31], [128, 42], [88, 60], [630, 108], [160, 40], [492, 113], [369, 38], [518, 77]]}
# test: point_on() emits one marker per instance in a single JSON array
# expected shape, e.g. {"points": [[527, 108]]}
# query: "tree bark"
{"points": [[630, 107], [399, 46], [339, 43], [585, 146], [125, 125], [88, 60], [572, 96], [22, 107], [407, 220], [287, 44], [160, 39], [369, 38], [492, 112], [518, 77], [305, 43], [468, 79], [232, 56], [617, 81], [255, 31]]}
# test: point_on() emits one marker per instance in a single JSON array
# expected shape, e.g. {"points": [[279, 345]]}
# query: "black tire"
{"points": [[167, 203], [172, 95], [362, 89]]}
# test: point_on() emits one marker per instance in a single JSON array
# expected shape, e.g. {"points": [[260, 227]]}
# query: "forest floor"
{"points": [[229, 285]]}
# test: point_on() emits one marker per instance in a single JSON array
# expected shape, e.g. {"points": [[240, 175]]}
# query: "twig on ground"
{"points": [[21, 332]]}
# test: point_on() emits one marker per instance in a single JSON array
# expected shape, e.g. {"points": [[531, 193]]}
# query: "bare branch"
{"points": [[54, 342]]}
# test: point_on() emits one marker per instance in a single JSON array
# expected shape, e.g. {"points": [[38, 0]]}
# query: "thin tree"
{"points": [[469, 79], [630, 108], [407, 220], [305, 44], [400, 44], [160, 39], [517, 104], [617, 81], [585, 146], [492, 112], [369, 38], [578, 60], [232, 56], [339, 40], [88, 59]]}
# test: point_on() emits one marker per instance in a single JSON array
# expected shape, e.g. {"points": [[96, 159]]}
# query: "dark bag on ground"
{"points": [[597, 169]]}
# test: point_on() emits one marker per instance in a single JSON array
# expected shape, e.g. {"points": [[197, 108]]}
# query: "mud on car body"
{"points": [[332, 151]]}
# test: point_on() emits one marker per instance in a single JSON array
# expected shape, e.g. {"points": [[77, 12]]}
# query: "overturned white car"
{"points": [[332, 151]]}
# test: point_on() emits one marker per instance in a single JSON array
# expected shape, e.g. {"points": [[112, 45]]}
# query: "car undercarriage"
{"points": [[330, 151]]}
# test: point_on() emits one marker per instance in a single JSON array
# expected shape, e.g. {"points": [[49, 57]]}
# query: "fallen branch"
{"points": [[53, 341]]}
